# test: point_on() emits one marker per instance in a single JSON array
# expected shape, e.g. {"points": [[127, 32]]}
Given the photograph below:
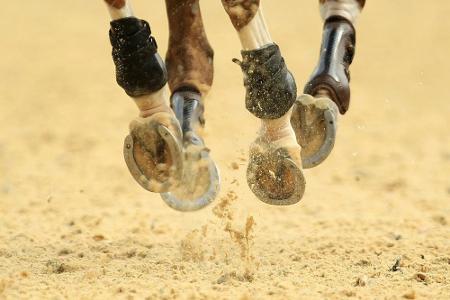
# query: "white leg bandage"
{"points": [[153, 103], [277, 129], [120, 13], [255, 34], [348, 9]]}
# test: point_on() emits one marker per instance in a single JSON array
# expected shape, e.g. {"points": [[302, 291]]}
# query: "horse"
{"points": [[165, 151]]}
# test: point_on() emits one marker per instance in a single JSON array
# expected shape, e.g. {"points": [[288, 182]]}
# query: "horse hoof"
{"points": [[314, 121], [153, 152], [275, 177], [200, 183]]}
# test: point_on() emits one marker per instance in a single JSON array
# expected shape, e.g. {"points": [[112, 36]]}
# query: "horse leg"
{"points": [[327, 92], [153, 150], [119, 9], [348, 9], [189, 57], [274, 173], [189, 62]]}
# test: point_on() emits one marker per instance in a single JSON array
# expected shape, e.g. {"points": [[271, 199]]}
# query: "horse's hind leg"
{"points": [[327, 92], [274, 173], [153, 149], [189, 61]]}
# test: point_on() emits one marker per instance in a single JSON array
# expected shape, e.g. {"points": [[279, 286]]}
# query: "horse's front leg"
{"points": [[275, 172], [189, 63], [152, 150], [314, 117]]}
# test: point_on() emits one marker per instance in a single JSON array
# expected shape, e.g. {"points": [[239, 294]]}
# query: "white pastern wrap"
{"points": [[154, 102], [348, 9], [255, 34], [277, 129]]}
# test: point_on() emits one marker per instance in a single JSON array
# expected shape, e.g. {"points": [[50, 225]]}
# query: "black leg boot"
{"points": [[314, 117], [139, 68], [332, 73]]}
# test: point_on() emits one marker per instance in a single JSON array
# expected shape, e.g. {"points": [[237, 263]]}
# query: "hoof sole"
{"points": [[314, 121], [150, 147], [275, 178]]}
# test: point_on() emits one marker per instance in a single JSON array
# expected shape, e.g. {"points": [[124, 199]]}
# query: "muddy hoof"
{"points": [[200, 183], [274, 174], [153, 152], [314, 121]]}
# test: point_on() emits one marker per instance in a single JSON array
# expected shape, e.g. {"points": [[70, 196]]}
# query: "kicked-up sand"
{"points": [[375, 219]]}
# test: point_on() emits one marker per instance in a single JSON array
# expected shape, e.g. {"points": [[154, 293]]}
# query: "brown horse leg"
{"points": [[189, 57], [189, 62]]}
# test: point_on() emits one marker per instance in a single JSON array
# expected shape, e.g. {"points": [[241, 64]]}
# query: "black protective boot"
{"points": [[201, 182], [314, 116], [139, 68], [336, 54], [271, 88]]}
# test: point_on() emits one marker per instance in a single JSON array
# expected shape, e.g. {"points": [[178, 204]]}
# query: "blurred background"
{"points": [[73, 223]]}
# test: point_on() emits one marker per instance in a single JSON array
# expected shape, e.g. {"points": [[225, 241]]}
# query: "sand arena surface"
{"points": [[375, 219]]}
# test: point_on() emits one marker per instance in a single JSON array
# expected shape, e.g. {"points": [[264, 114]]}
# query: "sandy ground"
{"points": [[374, 222]]}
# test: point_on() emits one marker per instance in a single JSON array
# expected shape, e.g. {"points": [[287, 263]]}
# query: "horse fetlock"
{"points": [[153, 103]]}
